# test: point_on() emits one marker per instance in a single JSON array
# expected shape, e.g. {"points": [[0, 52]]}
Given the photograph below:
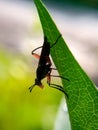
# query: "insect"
{"points": [[44, 66]]}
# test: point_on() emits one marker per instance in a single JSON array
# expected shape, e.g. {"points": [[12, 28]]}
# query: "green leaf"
{"points": [[82, 98]]}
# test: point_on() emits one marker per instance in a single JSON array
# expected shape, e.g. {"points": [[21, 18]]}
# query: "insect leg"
{"points": [[56, 41], [59, 88], [60, 77], [53, 68]]}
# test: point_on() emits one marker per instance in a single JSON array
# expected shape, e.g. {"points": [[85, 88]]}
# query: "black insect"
{"points": [[44, 66]]}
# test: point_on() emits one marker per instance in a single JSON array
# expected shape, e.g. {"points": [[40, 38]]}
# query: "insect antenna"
{"points": [[30, 88], [36, 49]]}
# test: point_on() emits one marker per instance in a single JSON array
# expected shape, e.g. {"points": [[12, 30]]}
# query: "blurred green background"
{"points": [[20, 32], [20, 109]]}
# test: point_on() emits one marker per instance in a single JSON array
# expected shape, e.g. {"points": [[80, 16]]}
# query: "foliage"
{"points": [[82, 98]]}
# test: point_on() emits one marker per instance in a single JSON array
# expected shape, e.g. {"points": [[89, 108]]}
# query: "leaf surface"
{"points": [[82, 98]]}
